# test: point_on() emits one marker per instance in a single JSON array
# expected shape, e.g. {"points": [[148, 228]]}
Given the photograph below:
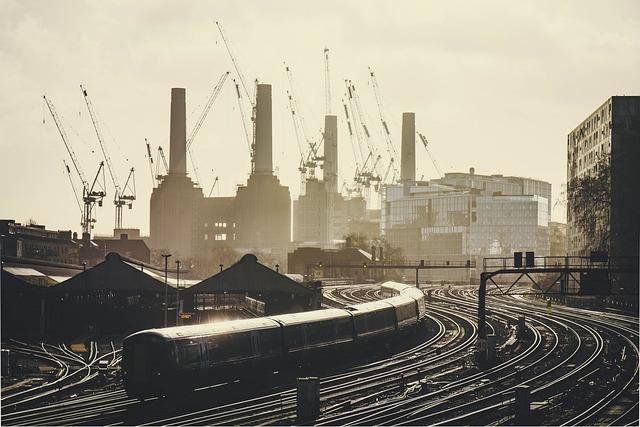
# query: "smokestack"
{"points": [[331, 153], [408, 152], [178, 133], [263, 156]]}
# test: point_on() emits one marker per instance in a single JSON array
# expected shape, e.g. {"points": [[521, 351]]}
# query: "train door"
{"points": [[255, 346]]}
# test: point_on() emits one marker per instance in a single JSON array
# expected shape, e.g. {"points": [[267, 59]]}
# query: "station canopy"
{"points": [[114, 274], [248, 275], [23, 272]]}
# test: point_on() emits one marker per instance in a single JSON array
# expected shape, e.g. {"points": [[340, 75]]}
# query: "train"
{"points": [[171, 361]]}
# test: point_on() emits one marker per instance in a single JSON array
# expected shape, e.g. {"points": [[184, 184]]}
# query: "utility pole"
{"points": [[178, 292], [166, 303]]}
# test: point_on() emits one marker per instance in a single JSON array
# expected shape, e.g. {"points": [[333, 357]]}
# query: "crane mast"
{"points": [[91, 193]]}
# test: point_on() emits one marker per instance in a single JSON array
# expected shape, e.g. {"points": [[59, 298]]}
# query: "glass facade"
{"points": [[440, 222]]}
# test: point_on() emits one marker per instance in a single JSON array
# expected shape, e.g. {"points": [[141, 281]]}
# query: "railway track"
{"points": [[73, 371], [432, 382]]}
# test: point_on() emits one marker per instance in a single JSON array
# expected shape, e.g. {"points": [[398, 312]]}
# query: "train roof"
{"points": [[369, 306], [412, 292], [397, 286], [400, 300], [178, 332], [311, 316]]}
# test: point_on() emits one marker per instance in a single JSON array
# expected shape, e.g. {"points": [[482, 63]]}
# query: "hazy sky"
{"points": [[495, 85]]}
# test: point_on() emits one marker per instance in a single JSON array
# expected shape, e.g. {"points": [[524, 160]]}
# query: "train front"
{"points": [[148, 361]]}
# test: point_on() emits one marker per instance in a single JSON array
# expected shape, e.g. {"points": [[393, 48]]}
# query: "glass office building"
{"points": [[461, 218]]}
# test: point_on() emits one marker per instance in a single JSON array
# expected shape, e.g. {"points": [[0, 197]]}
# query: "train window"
{"points": [[270, 341], [231, 347], [296, 336], [189, 351], [320, 333], [344, 328]]}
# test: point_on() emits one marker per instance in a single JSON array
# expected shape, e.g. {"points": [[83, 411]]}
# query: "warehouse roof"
{"points": [[248, 275]]}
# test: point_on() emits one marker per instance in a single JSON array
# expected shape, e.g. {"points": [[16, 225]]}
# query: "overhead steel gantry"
{"points": [[592, 275], [92, 193], [380, 265]]}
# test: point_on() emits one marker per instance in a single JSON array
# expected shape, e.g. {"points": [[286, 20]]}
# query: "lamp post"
{"points": [[178, 262], [166, 296]]}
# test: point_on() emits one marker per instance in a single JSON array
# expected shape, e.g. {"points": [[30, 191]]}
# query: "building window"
{"points": [[206, 237]]}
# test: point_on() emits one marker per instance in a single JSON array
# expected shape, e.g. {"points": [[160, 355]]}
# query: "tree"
{"points": [[589, 204]]}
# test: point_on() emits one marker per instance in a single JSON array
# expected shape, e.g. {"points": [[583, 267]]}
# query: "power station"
{"points": [[186, 223]]}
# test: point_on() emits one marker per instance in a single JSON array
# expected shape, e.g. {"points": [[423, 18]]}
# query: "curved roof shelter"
{"points": [[248, 275]]}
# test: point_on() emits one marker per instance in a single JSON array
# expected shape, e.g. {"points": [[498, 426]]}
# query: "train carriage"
{"points": [[373, 319], [169, 361]]}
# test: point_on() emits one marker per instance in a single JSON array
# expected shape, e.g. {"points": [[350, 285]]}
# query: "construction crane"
{"points": [[150, 159], [391, 150], [73, 186], [309, 157], [123, 195], [205, 111], [203, 115], [215, 181], [327, 83], [92, 193], [426, 147], [160, 158], [386, 173], [249, 97], [366, 175]]}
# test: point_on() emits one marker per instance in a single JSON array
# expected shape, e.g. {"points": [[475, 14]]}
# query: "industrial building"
{"points": [[611, 133], [463, 216], [322, 216], [188, 225]]}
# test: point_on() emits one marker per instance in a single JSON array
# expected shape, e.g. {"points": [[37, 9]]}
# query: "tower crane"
{"points": [[123, 195], [393, 154], [203, 115], [309, 157], [215, 181], [249, 97], [161, 157], [92, 193], [150, 159], [73, 186], [426, 147], [366, 175]]}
